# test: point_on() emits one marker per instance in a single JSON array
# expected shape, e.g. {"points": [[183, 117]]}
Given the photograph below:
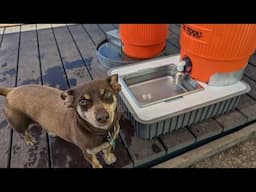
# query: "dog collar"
{"points": [[112, 138], [110, 142]]}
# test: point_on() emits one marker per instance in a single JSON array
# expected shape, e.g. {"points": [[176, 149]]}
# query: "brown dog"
{"points": [[85, 115]]}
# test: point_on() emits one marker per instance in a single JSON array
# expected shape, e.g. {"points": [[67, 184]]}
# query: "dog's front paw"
{"points": [[110, 159], [98, 165], [95, 162], [29, 139]]}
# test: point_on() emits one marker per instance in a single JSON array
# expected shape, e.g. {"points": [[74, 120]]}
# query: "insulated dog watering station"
{"points": [[164, 94], [156, 104]]}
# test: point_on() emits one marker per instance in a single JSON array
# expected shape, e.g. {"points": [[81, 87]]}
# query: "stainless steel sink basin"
{"points": [[159, 84]]}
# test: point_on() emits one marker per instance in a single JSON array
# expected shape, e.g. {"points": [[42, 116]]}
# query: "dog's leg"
{"points": [[92, 159], [21, 123], [109, 157], [29, 139], [95, 162], [16, 120]]}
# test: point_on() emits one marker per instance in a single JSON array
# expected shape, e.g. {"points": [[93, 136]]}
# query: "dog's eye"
{"points": [[82, 102], [107, 94]]}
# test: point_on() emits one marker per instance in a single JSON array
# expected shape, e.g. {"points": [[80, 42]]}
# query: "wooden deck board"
{"points": [[106, 27], [252, 84], [175, 28], [72, 61], [66, 155], [179, 139], [252, 59], [205, 151], [53, 73], [88, 50], [231, 120], [8, 69], [141, 150], [1, 35], [63, 154], [1, 31], [24, 155], [205, 129], [173, 38], [116, 25], [95, 33], [247, 106], [170, 49], [250, 71]]}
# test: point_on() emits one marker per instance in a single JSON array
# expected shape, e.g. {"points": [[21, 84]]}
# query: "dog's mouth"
{"points": [[103, 125]]}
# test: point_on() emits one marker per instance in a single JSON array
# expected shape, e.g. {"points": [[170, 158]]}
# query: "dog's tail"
{"points": [[4, 91]]}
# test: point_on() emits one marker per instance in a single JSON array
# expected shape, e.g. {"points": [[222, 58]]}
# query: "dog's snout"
{"points": [[102, 115]]}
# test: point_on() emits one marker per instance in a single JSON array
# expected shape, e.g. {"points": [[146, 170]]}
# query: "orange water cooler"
{"points": [[143, 41], [218, 52]]}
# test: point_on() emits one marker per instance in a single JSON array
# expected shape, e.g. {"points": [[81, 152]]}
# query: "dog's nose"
{"points": [[102, 115]]}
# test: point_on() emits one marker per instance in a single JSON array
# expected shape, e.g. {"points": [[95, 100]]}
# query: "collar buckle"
{"points": [[111, 140]]}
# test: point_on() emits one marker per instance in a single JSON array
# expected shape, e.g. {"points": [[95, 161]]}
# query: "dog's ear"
{"points": [[113, 82], [68, 97], [67, 93]]}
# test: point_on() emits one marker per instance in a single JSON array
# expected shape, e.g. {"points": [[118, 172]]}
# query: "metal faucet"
{"points": [[183, 69], [179, 75]]}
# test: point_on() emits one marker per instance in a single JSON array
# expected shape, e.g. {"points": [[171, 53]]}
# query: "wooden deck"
{"points": [[65, 56]]}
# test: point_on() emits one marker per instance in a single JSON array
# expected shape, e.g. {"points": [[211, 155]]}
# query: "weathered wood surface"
{"points": [[252, 59], [1, 35], [205, 129], [231, 120], [140, 150], [29, 72], [63, 154], [250, 72], [87, 50], [179, 139], [8, 70], [247, 106]]}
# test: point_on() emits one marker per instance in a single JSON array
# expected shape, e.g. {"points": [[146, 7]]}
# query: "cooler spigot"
{"points": [[183, 67]]}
